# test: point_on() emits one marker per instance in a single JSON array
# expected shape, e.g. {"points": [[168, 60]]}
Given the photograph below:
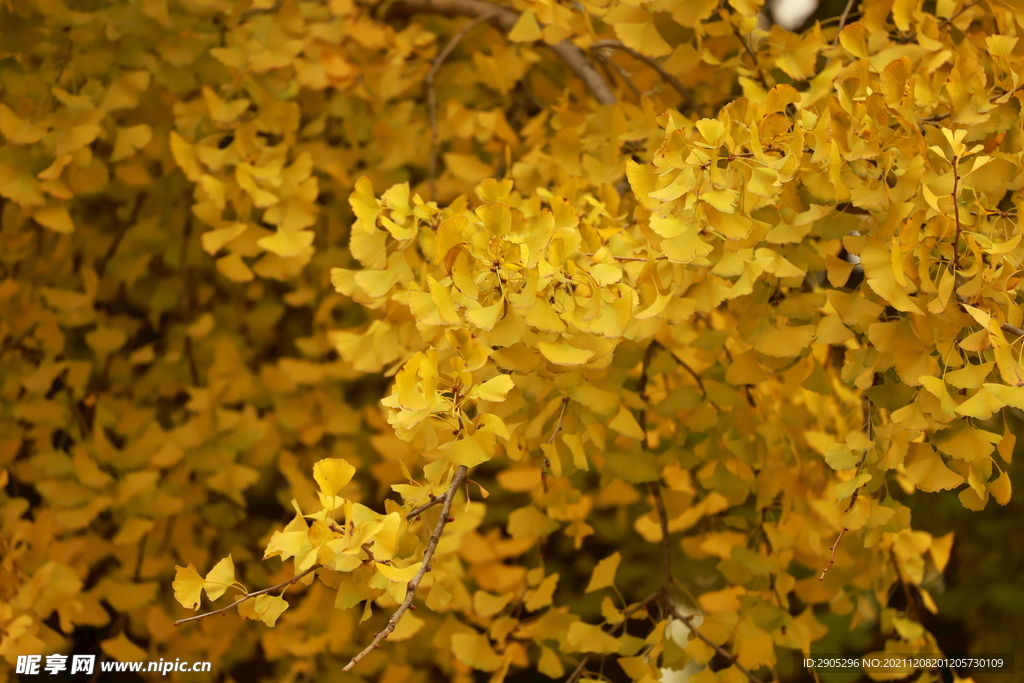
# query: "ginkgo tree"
{"points": [[480, 290]]}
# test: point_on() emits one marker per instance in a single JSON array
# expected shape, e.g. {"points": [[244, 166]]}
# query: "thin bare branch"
{"points": [[949, 20], [956, 218], [432, 95], [757, 64], [842, 21], [1012, 329], [1005, 327], [666, 543], [249, 596], [656, 65], [688, 622], [428, 554], [417, 511], [992, 100], [505, 18], [558, 425], [684, 365], [653, 486], [626, 614], [832, 555], [608, 61], [853, 498], [122, 230]]}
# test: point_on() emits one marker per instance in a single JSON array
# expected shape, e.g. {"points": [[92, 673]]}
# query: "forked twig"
{"points": [[432, 95], [428, 554]]}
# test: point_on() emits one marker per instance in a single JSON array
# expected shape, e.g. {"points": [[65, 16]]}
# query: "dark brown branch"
{"points": [[656, 65], [948, 21], [1005, 327], [251, 595], [688, 621], [432, 95], [505, 18], [753, 56], [551, 440], [684, 365], [666, 543], [842, 21], [853, 498], [956, 219], [1012, 329], [122, 230], [416, 511], [934, 118], [626, 613], [832, 555], [558, 425], [428, 554], [653, 486], [607, 61]]}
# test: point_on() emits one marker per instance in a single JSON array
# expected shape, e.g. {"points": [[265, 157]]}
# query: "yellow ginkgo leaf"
{"points": [[184, 155], [398, 573], [55, 217], [470, 450], [17, 130], [494, 389], [644, 38], [541, 596], [561, 353], [234, 268], [982, 405], [437, 596], [129, 140], [526, 28], [223, 112], [925, 468], [1001, 488], [287, 243], [220, 578], [785, 342], [188, 586], [467, 167], [214, 240], [474, 650], [604, 573], [584, 637], [332, 475], [1010, 396], [549, 664], [269, 607], [624, 423], [385, 542]]}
